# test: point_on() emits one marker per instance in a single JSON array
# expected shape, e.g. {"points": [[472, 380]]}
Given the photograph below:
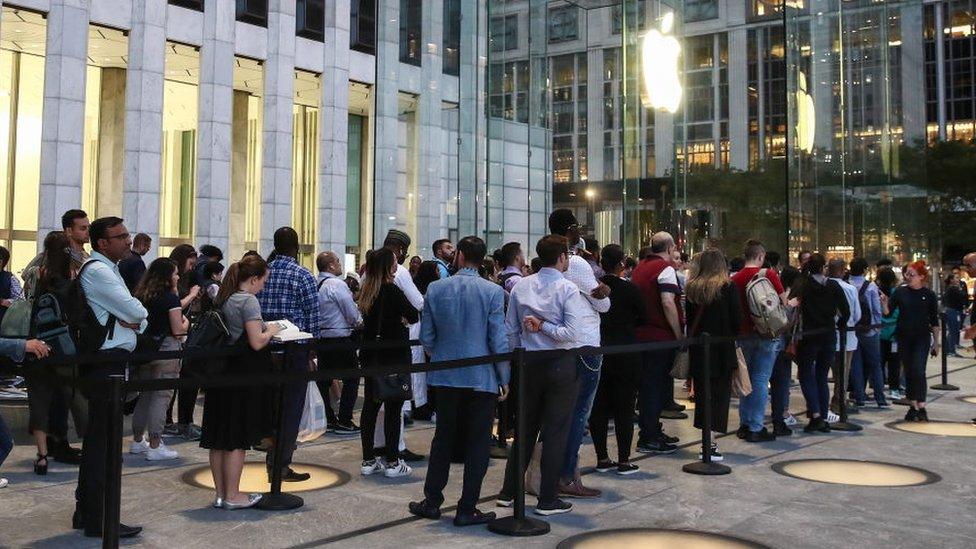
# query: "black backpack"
{"points": [[209, 332], [87, 332], [862, 299]]}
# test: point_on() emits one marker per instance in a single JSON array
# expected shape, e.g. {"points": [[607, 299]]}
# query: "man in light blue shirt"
{"points": [[339, 316], [546, 311], [110, 300], [463, 317], [866, 362], [443, 256]]}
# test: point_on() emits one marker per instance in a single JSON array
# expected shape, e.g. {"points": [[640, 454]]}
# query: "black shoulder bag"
{"points": [[396, 387]]}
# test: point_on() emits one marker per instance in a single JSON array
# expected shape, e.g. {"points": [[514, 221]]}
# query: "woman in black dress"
{"points": [[237, 418], [712, 303], [386, 314]]}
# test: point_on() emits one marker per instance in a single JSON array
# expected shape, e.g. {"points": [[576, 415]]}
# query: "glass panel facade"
{"points": [[305, 163], [246, 128], [452, 37], [362, 25], [179, 145], [411, 21], [21, 103], [359, 191]]}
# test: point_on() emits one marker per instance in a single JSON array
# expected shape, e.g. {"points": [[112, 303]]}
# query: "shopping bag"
{"points": [[741, 384], [313, 422]]}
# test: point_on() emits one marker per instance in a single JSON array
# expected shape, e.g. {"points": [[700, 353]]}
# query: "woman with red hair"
{"points": [[917, 333]]}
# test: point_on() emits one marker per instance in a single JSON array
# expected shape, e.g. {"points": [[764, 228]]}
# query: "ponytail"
{"points": [[248, 267]]}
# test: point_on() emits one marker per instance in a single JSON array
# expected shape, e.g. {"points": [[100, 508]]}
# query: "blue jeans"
{"points": [[652, 394], [6, 441], [816, 356], [779, 386], [953, 326], [760, 355], [589, 379], [866, 366]]}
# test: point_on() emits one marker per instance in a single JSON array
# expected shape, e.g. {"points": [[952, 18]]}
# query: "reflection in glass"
{"points": [[411, 14], [179, 144], [21, 101], [407, 169], [452, 37]]}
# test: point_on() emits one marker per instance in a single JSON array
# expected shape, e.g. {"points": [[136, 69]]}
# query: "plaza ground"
{"points": [[754, 502]]}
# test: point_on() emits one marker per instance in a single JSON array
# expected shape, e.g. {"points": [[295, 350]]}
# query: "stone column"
{"points": [[386, 121], [912, 77], [334, 131], [279, 100], [63, 120], [215, 117], [111, 142], [738, 100], [144, 119], [472, 122], [431, 193]]}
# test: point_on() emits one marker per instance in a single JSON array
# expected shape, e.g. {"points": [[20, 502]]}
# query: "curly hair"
{"points": [[157, 281]]}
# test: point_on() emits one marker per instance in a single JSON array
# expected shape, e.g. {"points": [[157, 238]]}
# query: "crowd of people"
{"points": [[863, 323]]}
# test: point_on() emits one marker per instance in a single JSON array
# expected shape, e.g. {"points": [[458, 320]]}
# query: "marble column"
{"points": [[111, 141], [216, 99], [738, 100], [62, 122], [431, 191], [386, 121], [471, 120], [334, 134], [144, 119], [279, 100]]}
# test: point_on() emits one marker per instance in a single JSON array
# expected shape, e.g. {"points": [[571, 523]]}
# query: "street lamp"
{"points": [[590, 195]]}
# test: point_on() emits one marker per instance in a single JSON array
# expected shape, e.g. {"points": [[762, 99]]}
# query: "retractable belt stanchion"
{"points": [[840, 389], [945, 385], [518, 524], [706, 466], [275, 500], [111, 511]]}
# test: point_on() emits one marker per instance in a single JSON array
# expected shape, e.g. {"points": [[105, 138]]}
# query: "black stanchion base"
{"points": [[512, 526], [497, 452], [845, 426], [944, 387], [902, 402], [279, 502], [702, 468]]}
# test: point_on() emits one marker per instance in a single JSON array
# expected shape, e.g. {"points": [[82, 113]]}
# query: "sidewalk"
{"points": [[753, 502]]}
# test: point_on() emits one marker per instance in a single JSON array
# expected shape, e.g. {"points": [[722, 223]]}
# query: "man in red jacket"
{"points": [[657, 280]]}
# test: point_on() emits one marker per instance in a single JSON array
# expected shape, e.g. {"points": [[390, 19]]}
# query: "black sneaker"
{"points": [[674, 407], [763, 435], [814, 425], [626, 468], [289, 475], [663, 437], [473, 519], [554, 507], [923, 415], [781, 430], [823, 426], [345, 429], [410, 457], [606, 466], [911, 415], [423, 510], [742, 431], [673, 414], [656, 447]]}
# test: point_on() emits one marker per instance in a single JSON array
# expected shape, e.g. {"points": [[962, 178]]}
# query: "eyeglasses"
{"points": [[123, 236]]}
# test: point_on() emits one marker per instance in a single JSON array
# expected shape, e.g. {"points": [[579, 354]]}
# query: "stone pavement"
{"points": [[754, 502]]}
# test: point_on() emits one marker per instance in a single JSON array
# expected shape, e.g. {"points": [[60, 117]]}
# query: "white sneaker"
{"points": [[161, 453], [370, 467], [832, 417], [401, 469], [140, 447], [790, 420], [4, 482]]}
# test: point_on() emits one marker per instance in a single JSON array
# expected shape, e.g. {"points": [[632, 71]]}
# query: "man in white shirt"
{"points": [[340, 316], [124, 316], [546, 311], [562, 222], [836, 269]]}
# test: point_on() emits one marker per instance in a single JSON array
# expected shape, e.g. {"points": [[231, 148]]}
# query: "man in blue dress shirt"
{"points": [[463, 317]]}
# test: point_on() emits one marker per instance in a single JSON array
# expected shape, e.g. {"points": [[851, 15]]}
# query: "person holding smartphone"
{"points": [[917, 333]]}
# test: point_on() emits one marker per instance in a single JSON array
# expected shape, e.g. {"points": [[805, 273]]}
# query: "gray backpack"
{"points": [[767, 311]]}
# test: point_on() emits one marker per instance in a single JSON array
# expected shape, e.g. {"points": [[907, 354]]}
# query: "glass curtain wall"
{"points": [[246, 128], [359, 193], [305, 163], [21, 100], [179, 156]]}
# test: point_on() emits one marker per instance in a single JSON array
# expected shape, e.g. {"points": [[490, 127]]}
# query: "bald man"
{"points": [[340, 316]]}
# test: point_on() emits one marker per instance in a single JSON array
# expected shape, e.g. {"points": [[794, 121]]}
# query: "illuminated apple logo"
{"points": [[659, 54], [806, 126]]}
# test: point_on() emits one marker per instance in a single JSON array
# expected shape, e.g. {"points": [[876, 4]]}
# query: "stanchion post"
{"points": [[111, 512], [518, 524], [706, 466], [945, 385], [275, 500], [840, 388]]}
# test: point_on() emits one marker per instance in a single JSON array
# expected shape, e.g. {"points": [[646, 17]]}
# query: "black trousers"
{"points": [[467, 414], [655, 386], [339, 359], [185, 400], [294, 405], [615, 398], [889, 359], [90, 493], [391, 424], [550, 391]]}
